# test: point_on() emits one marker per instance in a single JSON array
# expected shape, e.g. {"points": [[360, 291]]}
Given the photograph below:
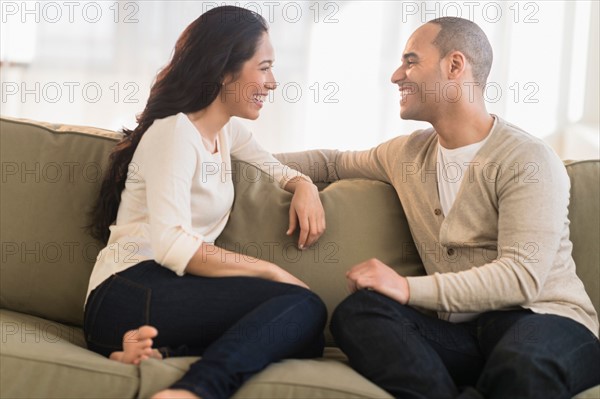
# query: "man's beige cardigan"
{"points": [[505, 242]]}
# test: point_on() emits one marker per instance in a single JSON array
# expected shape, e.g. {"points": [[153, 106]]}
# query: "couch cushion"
{"points": [[584, 214], [364, 220], [320, 378], [54, 356], [50, 177], [44, 359], [592, 393]]}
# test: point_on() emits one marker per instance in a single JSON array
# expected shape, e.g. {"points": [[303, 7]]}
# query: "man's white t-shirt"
{"points": [[453, 165]]}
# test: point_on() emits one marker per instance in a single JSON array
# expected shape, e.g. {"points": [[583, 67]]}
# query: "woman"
{"points": [[170, 183]]}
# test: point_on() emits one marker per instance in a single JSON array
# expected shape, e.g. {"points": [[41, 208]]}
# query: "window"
{"points": [[93, 63]]}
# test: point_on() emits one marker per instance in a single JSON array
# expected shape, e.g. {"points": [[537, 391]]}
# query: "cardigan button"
{"points": [[437, 211], [450, 251]]}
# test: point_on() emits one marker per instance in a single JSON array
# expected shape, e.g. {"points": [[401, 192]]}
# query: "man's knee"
{"points": [[543, 350], [362, 305], [350, 306], [525, 346]]}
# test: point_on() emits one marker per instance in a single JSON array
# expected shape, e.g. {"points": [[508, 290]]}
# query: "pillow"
{"points": [[585, 223], [51, 175]]}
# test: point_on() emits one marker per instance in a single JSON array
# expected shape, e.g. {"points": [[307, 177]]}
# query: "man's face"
{"points": [[419, 78]]}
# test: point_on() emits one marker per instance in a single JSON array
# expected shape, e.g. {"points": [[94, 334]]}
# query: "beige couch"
{"points": [[51, 175]]}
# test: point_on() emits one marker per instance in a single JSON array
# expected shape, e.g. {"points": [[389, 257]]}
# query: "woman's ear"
{"points": [[227, 79]]}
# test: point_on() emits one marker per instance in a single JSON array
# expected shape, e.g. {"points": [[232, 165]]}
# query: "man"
{"points": [[487, 207]]}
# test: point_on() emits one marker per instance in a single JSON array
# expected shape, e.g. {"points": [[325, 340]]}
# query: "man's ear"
{"points": [[457, 63]]}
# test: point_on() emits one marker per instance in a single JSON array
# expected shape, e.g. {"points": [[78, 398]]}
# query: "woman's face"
{"points": [[245, 96]]}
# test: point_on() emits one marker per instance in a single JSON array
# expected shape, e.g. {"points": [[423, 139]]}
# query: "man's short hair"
{"points": [[459, 34]]}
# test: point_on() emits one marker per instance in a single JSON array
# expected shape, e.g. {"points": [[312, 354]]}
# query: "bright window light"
{"points": [[578, 58]]}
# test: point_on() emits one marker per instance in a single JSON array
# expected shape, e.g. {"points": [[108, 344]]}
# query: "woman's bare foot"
{"points": [[137, 346], [175, 394]]}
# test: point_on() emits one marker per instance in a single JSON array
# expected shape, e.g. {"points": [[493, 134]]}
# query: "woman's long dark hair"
{"points": [[216, 44]]}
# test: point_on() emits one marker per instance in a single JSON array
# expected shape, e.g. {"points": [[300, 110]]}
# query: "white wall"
{"points": [[339, 55]]}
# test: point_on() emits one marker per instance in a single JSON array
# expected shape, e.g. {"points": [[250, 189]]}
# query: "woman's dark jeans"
{"points": [[502, 354], [239, 325]]}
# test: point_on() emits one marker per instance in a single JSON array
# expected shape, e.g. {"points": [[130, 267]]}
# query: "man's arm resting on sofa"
{"points": [[319, 165], [328, 166]]}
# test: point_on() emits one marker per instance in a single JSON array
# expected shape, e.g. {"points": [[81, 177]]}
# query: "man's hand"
{"points": [[307, 211], [377, 276]]}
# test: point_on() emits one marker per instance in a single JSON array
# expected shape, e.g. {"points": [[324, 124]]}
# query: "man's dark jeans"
{"points": [[501, 354], [239, 325]]}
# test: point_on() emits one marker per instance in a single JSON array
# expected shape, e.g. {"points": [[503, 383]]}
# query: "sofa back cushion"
{"points": [[364, 220], [50, 178], [584, 214]]}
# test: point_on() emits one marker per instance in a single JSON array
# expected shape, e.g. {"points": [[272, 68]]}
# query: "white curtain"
{"points": [[93, 62]]}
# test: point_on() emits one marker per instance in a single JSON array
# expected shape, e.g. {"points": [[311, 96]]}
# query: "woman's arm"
{"points": [[306, 210], [212, 261]]}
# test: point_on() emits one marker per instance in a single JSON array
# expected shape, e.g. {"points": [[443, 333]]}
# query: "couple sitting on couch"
{"points": [[486, 203]]}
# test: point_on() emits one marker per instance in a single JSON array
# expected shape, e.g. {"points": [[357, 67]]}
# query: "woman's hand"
{"points": [[307, 211], [212, 261]]}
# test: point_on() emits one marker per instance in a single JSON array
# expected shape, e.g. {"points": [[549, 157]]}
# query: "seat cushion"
{"points": [[45, 359], [329, 377], [592, 393]]}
